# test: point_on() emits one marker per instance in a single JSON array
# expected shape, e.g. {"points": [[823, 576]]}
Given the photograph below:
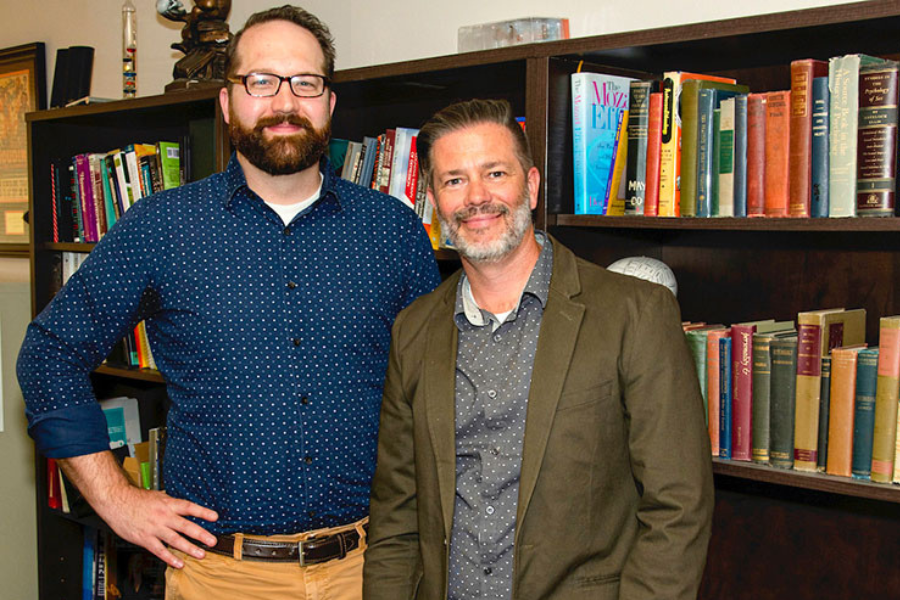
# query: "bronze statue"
{"points": [[204, 39]]}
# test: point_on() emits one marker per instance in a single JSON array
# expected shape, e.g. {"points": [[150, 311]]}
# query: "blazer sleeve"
{"points": [[670, 456], [392, 565]]}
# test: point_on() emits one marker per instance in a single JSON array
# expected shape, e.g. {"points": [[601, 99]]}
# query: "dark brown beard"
{"points": [[284, 155]]}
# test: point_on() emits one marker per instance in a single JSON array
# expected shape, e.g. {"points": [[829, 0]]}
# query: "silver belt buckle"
{"points": [[300, 553]]}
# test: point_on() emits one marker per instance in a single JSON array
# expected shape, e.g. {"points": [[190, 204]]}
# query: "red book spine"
{"points": [[756, 154], [802, 74], [654, 144], [53, 491], [778, 141], [741, 391]]}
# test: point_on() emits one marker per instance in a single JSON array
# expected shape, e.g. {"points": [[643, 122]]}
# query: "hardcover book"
{"points": [[824, 408], [841, 413], [654, 141], [725, 397], [884, 433], [740, 155], [803, 72], [778, 135], [843, 83], [599, 118], [712, 385], [725, 171], [756, 155], [781, 400], [819, 148], [876, 174], [636, 167], [864, 413]]}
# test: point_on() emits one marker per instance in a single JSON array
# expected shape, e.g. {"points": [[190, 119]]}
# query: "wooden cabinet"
{"points": [[777, 534]]}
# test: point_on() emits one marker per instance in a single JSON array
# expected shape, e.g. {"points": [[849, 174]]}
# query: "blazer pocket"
{"points": [[586, 397]]}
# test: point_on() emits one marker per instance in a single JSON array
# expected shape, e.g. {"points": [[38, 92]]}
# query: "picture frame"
{"points": [[23, 89]]}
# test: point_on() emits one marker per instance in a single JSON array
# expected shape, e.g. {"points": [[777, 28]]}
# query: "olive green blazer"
{"points": [[616, 495]]}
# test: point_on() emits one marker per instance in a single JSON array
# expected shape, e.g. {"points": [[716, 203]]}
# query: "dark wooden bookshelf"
{"points": [[776, 534]]}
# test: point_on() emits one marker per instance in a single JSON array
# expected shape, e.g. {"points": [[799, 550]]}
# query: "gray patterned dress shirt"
{"points": [[494, 363]]}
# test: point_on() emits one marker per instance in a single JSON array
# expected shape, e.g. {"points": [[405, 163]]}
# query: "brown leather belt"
{"points": [[307, 552]]}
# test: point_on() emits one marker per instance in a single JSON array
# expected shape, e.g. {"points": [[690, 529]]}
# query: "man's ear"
{"points": [[224, 102]]}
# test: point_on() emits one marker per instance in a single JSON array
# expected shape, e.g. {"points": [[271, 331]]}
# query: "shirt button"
{"points": [[291, 285], [488, 570], [304, 400], [492, 394], [489, 510], [308, 460], [312, 513], [296, 341], [287, 231], [497, 337], [495, 451]]}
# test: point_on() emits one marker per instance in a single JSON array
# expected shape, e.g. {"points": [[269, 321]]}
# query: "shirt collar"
{"points": [[538, 285], [236, 181]]}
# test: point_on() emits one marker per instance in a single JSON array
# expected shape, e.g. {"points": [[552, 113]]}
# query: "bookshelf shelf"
{"points": [[821, 482]]}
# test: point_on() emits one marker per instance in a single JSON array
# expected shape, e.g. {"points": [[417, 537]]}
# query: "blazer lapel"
{"points": [[559, 332], [440, 405]]}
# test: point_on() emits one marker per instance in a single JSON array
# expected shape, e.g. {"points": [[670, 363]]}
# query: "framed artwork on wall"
{"points": [[23, 86]]}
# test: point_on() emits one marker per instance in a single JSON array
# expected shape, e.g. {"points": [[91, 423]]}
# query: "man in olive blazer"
{"points": [[615, 490]]}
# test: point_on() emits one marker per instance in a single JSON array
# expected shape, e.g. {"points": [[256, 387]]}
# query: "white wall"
{"points": [[367, 32]]}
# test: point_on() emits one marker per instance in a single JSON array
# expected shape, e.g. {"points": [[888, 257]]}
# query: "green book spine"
{"points": [[864, 413], [762, 376], [696, 341], [716, 157], [824, 405], [781, 399]]}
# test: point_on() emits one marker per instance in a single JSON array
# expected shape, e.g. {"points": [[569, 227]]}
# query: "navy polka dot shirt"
{"points": [[273, 341]]}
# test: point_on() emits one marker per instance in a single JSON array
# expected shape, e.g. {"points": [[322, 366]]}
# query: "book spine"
{"points": [[809, 383], [864, 413], [712, 386], [840, 417], [654, 141], [802, 74], [877, 142], [579, 150], [692, 124], [843, 84], [55, 193], [824, 407], [778, 137], [726, 158], [781, 400], [742, 391], [756, 155], [886, 399], [725, 397], [716, 150], [636, 170], [696, 341], [670, 150], [762, 380], [740, 155], [703, 160], [614, 203], [819, 148], [86, 195]]}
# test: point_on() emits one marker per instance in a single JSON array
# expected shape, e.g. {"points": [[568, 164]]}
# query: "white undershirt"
{"points": [[287, 212]]}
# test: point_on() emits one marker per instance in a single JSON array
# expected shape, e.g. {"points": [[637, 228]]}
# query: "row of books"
{"points": [[697, 145], [113, 569], [811, 398], [92, 190], [389, 163], [134, 349]]}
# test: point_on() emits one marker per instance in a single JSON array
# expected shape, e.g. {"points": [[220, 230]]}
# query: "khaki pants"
{"points": [[219, 577]]}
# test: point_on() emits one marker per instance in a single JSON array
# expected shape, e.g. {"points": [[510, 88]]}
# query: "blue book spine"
{"points": [[821, 99], [706, 104], [740, 155], [88, 559], [725, 398], [864, 413]]}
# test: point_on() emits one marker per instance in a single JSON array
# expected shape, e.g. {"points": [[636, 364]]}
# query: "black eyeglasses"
{"points": [[264, 85]]}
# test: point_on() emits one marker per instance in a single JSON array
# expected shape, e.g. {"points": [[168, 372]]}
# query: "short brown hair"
{"points": [[291, 14], [466, 114]]}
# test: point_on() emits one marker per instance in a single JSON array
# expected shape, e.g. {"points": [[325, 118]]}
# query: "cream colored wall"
{"points": [[18, 545], [367, 32]]}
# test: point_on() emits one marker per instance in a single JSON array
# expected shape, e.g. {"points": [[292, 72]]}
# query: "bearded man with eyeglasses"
{"points": [[268, 291]]}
